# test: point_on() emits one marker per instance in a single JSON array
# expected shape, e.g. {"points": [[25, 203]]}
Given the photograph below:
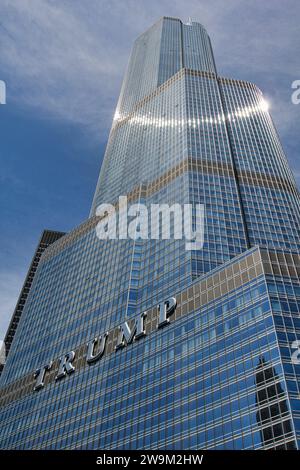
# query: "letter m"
{"points": [[128, 334]]}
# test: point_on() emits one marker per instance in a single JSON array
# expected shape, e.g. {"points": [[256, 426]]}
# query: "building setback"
{"points": [[209, 364]]}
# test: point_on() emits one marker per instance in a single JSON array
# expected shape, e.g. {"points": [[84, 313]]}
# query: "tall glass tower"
{"points": [[142, 344]]}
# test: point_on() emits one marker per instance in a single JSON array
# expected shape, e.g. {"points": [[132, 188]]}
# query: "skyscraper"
{"points": [[47, 237], [141, 343]]}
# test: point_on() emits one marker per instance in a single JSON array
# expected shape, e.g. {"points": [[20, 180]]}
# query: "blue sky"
{"points": [[63, 62]]}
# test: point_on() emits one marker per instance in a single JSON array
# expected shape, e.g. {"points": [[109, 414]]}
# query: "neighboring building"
{"points": [[219, 375], [47, 238]]}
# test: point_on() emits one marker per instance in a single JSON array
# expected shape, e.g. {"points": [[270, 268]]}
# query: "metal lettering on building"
{"points": [[127, 335]]}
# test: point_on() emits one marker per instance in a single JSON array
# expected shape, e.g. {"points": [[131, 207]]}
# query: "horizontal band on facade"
{"points": [[177, 76], [211, 287], [189, 164]]}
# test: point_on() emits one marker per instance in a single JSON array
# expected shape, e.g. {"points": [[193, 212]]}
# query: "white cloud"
{"points": [[67, 58], [53, 60]]}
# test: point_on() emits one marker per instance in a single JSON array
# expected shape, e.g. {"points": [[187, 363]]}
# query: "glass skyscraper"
{"points": [[142, 344], [47, 237]]}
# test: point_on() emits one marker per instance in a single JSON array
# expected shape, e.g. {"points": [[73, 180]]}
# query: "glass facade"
{"points": [[219, 375], [47, 237]]}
